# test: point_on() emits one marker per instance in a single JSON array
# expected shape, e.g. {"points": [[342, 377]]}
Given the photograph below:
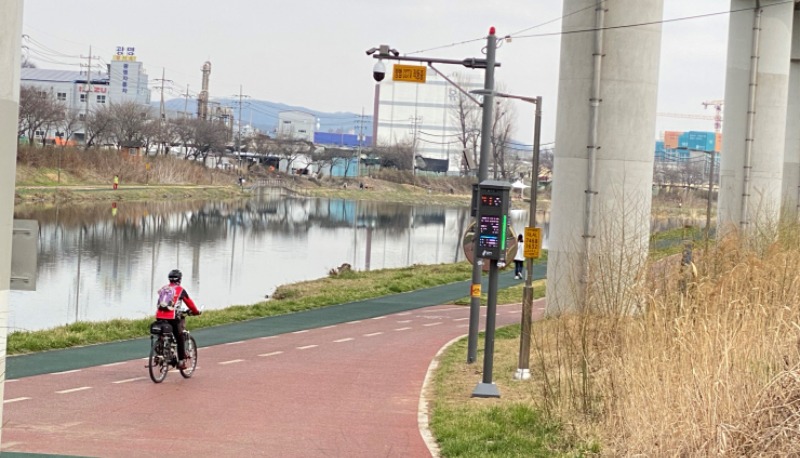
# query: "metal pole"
{"points": [[375, 112], [487, 389], [483, 172], [523, 369], [710, 188]]}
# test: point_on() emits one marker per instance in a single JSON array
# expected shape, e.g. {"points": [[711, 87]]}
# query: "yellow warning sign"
{"points": [[533, 242], [475, 291]]}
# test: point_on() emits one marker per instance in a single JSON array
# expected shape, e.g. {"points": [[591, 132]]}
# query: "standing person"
{"points": [[168, 298], [519, 258], [116, 181]]}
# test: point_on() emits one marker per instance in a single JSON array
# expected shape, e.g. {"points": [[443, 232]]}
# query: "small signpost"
{"points": [[409, 73], [533, 242]]}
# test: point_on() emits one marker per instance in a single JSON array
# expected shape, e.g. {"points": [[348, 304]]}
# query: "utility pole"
{"points": [[87, 92], [239, 134], [360, 139], [186, 102], [163, 115], [415, 121]]}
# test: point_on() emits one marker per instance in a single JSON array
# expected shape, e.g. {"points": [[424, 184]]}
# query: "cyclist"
{"points": [[169, 313]]}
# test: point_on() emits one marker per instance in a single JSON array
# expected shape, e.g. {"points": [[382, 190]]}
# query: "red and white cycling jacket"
{"points": [[182, 296]]}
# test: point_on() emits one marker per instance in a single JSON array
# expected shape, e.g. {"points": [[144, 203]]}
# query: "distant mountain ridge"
{"points": [[263, 115]]}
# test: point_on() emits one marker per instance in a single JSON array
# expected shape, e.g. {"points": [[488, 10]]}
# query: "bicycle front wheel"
{"points": [[157, 364], [191, 350]]}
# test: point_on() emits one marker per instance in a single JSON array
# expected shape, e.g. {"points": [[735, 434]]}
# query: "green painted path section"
{"points": [[93, 355]]}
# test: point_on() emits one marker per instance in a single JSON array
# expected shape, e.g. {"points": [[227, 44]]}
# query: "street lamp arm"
{"points": [[463, 91], [470, 62]]}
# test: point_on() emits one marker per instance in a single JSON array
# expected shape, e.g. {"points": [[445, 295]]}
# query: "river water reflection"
{"points": [[98, 263]]}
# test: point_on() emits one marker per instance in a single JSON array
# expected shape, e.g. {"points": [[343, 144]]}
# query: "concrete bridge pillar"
{"points": [[791, 167], [10, 38], [603, 171], [756, 92]]}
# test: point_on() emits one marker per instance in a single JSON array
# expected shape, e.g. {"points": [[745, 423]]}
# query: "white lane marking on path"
{"points": [[113, 364], [346, 339], [460, 319], [404, 314], [404, 321], [329, 327], [65, 372], [433, 324], [12, 380], [9, 401], [300, 331], [235, 343], [371, 334], [233, 361], [306, 347], [269, 337], [271, 353], [403, 329], [73, 390], [354, 322], [128, 380], [379, 317]]}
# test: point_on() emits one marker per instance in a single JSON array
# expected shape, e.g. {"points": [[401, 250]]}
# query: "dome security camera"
{"points": [[379, 71]]}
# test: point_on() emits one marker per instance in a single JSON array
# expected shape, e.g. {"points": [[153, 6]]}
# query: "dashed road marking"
{"points": [[329, 327], [346, 339], [373, 334], [128, 380], [379, 317], [113, 364], [403, 329], [9, 401], [404, 314], [306, 347], [300, 331], [233, 361], [433, 324], [354, 322], [235, 343], [66, 372], [269, 337], [271, 353], [460, 319], [404, 321], [72, 390]]}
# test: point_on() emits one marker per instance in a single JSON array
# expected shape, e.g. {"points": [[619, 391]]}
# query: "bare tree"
{"points": [[291, 149], [70, 124], [396, 156], [98, 125], [209, 137], [37, 109], [183, 130], [129, 122], [467, 116], [502, 127]]}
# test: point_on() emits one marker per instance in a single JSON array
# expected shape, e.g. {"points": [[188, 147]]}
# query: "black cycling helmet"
{"points": [[175, 276]]}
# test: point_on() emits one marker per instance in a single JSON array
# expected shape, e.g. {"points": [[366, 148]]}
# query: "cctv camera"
{"points": [[371, 51], [379, 71]]}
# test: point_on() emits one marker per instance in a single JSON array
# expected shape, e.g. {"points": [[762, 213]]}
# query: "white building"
{"points": [[123, 80], [297, 125], [424, 114]]}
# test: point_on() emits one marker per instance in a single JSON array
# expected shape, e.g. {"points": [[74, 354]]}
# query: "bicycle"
{"points": [[164, 349]]}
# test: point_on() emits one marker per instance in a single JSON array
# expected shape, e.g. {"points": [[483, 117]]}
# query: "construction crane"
{"points": [[688, 116], [717, 104]]}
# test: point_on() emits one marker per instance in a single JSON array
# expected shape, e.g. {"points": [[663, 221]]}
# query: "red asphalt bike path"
{"points": [[351, 390]]}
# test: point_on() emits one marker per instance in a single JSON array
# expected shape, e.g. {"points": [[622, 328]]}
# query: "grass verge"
{"points": [[512, 426], [346, 287]]}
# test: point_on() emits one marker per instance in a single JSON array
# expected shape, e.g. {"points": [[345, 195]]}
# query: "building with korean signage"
{"points": [[123, 80]]}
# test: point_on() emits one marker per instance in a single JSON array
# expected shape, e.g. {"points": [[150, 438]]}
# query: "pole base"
{"points": [[522, 374], [486, 390]]}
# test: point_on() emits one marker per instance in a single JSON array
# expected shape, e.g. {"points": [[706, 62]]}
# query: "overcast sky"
{"points": [[312, 52]]}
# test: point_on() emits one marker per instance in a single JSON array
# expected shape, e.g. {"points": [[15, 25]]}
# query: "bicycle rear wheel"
{"points": [[191, 350], [157, 364]]}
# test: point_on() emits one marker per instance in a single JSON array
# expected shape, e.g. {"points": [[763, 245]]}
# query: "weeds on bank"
{"points": [[347, 287], [709, 368]]}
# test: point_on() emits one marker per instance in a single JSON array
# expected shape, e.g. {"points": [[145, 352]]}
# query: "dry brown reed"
{"points": [[711, 371]]}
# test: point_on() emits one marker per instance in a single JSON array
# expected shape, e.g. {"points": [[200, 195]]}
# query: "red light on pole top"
{"points": [[491, 30]]}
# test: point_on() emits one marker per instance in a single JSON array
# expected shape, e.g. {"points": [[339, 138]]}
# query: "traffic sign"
{"points": [[533, 242], [409, 73]]}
